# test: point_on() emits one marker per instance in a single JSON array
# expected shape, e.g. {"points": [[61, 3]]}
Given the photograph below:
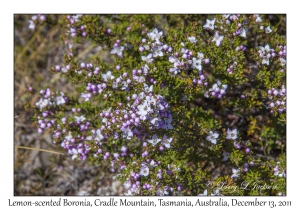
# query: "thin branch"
{"points": [[42, 150]]}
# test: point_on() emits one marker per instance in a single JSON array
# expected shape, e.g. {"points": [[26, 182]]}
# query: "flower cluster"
{"points": [[142, 112], [217, 90], [73, 29], [266, 53], [277, 99], [35, 19]]}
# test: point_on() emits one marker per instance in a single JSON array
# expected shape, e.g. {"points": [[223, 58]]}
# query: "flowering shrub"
{"points": [[174, 102]]}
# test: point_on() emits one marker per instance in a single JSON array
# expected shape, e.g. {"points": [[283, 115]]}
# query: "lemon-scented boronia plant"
{"points": [[174, 102]]}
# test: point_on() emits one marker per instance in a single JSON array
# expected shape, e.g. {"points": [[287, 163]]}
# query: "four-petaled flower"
{"points": [[157, 51], [144, 171], [204, 193], [148, 58], [98, 136], [166, 141], [192, 39], [144, 109], [268, 30], [235, 173], [107, 76], [155, 35], [258, 18], [243, 32], [282, 61], [60, 99], [117, 50], [231, 134], [31, 24], [80, 119], [154, 140], [210, 24], [212, 137], [42, 103], [218, 39], [74, 153], [265, 60], [197, 64], [148, 89]]}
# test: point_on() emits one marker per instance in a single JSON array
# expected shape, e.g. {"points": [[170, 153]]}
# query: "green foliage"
{"points": [[192, 159]]}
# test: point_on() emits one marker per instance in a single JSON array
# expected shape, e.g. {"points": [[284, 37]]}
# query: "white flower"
{"points": [[174, 70], [151, 100], [117, 50], [174, 60], [31, 24], [210, 24], [144, 109], [218, 89], [60, 99], [144, 171], [127, 184], [282, 61], [243, 32], [197, 64], [129, 193], [166, 141], [225, 156], [154, 140], [268, 30], [87, 96], [42, 103], [200, 55], [107, 76], [80, 119], [265, 60], [192, 39], [218, 39], [68, 137], [265, 49], [235, 173], [212, 137], [155, 35], [153, 164], [217, 193], [225, 16], [148, 89], [141, 95], [155, 121], [74, 153], [204, 193], [147, 59], [124, 85], [157, 51], [127, 133], [168, 123], [277, 173], [139, 79], [76, 17], [114, 85], [231, 134], [258, 18], [98, 136], [234, 17], [282, 91]]}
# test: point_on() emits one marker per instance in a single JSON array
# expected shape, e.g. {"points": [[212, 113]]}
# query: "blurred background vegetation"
{"points": [[42, 173]]}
